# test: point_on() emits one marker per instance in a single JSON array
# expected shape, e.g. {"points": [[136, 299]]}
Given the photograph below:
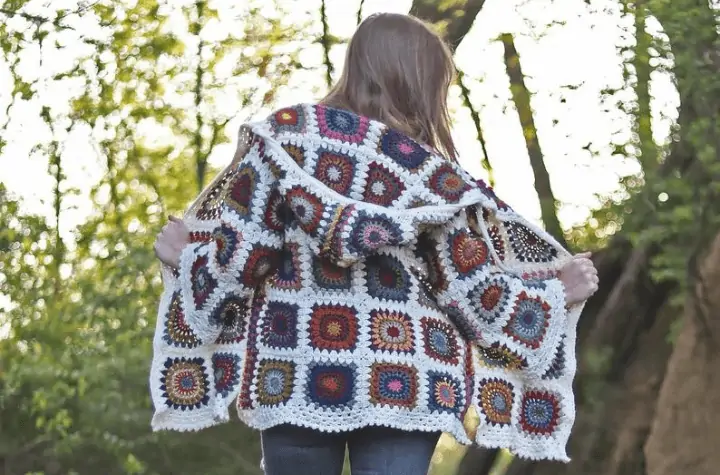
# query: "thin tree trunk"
{"points": [[643, 71], [326, 43], [465, 92], [201, 158], [521, 97], [360, 11]]}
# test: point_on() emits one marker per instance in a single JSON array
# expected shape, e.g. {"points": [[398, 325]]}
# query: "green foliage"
{"points": [[672, 204], [78, 313]]}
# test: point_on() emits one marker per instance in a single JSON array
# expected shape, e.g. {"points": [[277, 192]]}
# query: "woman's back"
{"points": [[369, 292], [347, 274]]}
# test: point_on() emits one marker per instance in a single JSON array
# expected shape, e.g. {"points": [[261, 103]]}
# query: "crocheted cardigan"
{"points": [[342, 275]]}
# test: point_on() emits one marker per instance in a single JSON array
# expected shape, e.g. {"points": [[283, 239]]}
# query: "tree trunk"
{"points": [[685, 434], [475, 116], [326, 43], [521, 98], [454, 19], [643, 71]]}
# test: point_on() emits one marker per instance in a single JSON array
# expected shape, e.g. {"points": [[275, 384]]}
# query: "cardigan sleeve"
{"points": [[218, 278], [502, 293]]}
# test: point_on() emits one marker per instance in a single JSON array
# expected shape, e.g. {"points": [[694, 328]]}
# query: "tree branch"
{"points": [[40, 20], [37, 19]]}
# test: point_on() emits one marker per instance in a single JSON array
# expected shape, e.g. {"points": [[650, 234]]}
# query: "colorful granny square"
{"points": [[289, 120], [448, 184], [392, 332], [279, 325], [261, 261], [468, 253], [372, 232], [333, 327], [230, 314], [540, 412], [440, 341], [497, 242], [328, 276], [501, 357], [336, 170], [184, 383], [307, 209], [275, 382], [446, 393], [226, 369], [240, 195], [393, 385], [403, 150], [202, 282], [382, 186], [296, 152], [227, 243], [490, 299], [387, 278], [289, 272], [528, 246], [177, 333], [331, 385], [557, 367], [276, 212], [528, 321], [341, 125], [496, 401]]}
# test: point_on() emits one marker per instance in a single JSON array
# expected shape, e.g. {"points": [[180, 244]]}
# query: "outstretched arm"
{"points": [[218, 277]]}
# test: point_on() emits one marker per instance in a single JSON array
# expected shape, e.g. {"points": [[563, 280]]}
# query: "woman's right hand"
{"points": [[580, 278]]}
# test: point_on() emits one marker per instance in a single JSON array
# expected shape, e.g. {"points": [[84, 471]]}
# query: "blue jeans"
{"points": [[290, 450]]}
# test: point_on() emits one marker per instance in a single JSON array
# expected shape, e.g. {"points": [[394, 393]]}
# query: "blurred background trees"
{"points": [[123, 109]]}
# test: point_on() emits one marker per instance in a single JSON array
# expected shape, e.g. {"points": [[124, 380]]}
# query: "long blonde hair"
{"points": [[398, 71]]}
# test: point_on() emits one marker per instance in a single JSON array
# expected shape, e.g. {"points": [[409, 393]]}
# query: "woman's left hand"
{"points": [[171, 241]]}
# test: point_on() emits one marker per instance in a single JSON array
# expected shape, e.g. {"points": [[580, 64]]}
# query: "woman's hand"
{"points": [[579, 276], [171, 241]]}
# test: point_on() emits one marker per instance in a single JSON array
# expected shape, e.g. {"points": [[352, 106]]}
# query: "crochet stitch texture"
{"points": [[342, 275]]}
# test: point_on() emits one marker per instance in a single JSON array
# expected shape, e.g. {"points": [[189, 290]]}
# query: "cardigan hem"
{"points": [[266, 420]]}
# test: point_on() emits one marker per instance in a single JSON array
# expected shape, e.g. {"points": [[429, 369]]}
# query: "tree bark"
{"points": [[685, 433]]}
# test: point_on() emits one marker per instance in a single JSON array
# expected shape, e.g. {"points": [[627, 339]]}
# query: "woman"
{"points": [[349, 285]]}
